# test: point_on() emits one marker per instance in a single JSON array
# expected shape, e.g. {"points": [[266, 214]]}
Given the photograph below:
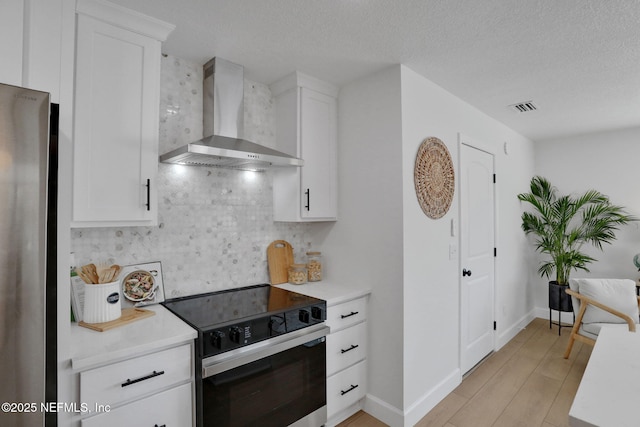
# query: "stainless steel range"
{"points": [[261, 356]]}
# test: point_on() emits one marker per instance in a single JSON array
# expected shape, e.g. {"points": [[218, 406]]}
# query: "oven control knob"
{"points": [[235, 333], [216, 339], [277, 325], [316, 313], [303, 315]]}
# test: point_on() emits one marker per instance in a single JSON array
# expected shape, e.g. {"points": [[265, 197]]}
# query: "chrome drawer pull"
{"points": [[353, 346], [353, 387], [353, 313], [129, 382]]}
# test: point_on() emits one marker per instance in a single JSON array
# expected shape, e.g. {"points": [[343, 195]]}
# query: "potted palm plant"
{"points": [[561, 226]]}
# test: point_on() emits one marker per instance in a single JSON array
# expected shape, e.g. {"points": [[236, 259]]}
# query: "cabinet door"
{"points": [[318, 148], [346, 314], [169, 408], [133, 378], [346, 347], [115, 125], [346, 388]]}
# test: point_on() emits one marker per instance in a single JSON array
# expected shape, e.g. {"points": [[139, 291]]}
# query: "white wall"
{"points": [[31, 44], [43, 44], [431, 279], [383, 240], [607, 162], [11, 40], [364, 247]]}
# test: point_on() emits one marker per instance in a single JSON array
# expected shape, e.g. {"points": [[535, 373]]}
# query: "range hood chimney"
{"points": [[223, 125]]}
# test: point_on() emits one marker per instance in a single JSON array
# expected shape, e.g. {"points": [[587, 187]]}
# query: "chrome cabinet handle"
{"points": [[146, 377], [353, 387], [353, 347], [353, 313]]}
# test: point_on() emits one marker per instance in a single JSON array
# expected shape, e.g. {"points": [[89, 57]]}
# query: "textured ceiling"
{"points": [[577, 60]]}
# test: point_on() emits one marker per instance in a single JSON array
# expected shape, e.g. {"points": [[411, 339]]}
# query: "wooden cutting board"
{"points": [[128, 315], [279, 258]]}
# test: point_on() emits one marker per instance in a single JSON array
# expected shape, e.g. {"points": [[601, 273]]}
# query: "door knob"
{"points": [[466, 272]]}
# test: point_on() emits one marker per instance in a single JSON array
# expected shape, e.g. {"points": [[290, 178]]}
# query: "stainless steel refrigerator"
{"points": [[28, 181]]}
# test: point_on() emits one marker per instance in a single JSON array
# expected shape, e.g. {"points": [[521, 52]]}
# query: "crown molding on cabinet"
{"points": [[298, 79], [125, 18]]}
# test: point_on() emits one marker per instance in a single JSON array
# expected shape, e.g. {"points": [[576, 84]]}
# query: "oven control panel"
{"points": [[234, 336], [238, 335]]}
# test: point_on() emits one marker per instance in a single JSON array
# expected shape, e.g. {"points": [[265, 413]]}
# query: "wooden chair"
{"points": [[599, 303]]}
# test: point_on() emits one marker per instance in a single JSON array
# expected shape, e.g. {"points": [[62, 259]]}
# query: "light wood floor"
{"points": [[526, 383]]}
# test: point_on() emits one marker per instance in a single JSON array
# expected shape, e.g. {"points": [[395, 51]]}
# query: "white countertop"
{"points": [[610, 387], [332, 293], [92, 348]]}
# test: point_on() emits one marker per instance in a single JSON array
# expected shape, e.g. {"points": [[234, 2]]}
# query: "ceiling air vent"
{"points": [[523, 107]]}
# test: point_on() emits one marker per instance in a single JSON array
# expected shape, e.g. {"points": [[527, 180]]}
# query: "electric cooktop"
{"points": [[233, 318]]}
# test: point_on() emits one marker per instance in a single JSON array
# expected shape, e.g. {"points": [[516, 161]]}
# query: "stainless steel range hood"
{"points": [[223, 119]]}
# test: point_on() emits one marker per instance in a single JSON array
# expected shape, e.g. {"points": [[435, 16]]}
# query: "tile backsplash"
{"points": [[214, 225]]}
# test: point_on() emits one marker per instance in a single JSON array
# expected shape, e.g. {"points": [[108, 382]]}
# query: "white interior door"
{"points": [[476, 255]]}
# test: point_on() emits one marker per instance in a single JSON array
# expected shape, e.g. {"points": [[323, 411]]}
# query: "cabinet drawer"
{"points": [[346, 388], [346, 314], [346, 347], [171, 408], [132, 378]]}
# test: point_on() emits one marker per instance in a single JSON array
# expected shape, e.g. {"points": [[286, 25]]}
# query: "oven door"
{"points": [[277, 382]]}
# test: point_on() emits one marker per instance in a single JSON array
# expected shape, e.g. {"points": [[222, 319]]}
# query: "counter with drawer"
{"points": [[141, 373], [346, 345]]}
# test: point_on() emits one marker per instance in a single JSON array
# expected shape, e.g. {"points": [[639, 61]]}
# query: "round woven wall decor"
{"points": [[434, 178]]}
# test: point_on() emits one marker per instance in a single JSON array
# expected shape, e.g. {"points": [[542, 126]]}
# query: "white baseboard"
{"points": [[542, 312], [512, 331], [429, 400], [383, 411], [394, 417]]}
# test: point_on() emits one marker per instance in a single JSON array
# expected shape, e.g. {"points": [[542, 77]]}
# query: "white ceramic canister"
{"points": [[102, 302]]}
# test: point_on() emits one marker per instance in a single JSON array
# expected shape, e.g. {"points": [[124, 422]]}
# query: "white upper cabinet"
{"points": [[116, 117], [306, 127]]}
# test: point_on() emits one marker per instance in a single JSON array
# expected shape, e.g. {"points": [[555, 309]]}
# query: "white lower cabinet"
{"points": [[346, 388], [135, 377], [346, 359], [169, 408], [346, 348], [151, 390]]}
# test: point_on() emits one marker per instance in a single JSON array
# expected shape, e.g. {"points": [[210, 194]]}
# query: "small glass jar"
{"points": [[298, 274], [314, 266]]}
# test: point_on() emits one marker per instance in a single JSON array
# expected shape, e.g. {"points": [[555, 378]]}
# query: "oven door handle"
{"points": [[232, 359]]}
